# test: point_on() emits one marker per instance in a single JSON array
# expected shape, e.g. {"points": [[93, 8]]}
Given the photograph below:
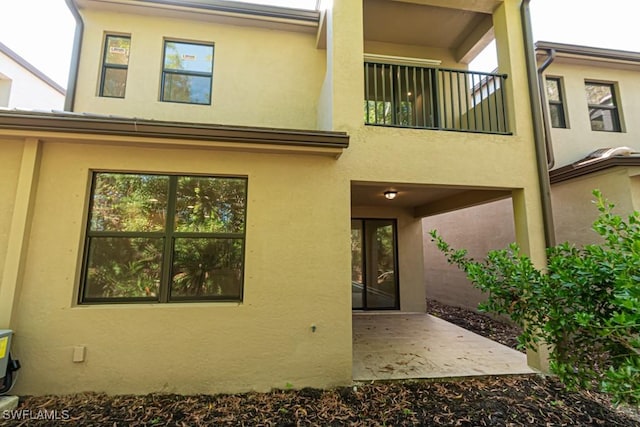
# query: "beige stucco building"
{"points": [[24, 86], [592, 100], [230, 181]]}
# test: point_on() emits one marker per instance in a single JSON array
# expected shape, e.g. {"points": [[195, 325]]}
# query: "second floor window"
{"points": [[115, 63], [556, 102], [187, 72], [603, 111]]}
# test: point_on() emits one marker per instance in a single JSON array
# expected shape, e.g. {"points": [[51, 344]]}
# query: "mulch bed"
{"points": [[488, 401], [494, 401]]}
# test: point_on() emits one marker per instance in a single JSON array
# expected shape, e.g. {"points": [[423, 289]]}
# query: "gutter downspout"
{"points": [[538, 126], [70, 99], [551, 55]]}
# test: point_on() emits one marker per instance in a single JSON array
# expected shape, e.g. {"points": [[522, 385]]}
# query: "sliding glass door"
{"points": [[374, 275]]}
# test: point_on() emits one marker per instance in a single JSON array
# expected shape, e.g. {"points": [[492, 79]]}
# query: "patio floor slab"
{"points": [[416, 345]]}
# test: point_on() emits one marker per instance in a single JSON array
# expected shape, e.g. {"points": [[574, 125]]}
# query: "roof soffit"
{"points": [[571, 171], [221, 11], [88, 126]]}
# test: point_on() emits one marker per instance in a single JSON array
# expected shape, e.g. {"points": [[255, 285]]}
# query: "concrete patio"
{"points": [[417, 345]]}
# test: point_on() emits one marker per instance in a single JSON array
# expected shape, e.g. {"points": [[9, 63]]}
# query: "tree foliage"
{"points": [[585, 306], [131, 224]]}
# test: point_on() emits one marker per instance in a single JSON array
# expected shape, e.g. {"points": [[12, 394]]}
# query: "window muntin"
{"points": [[187, 72], [132, 254], [556, 102], [115, 63], [603, 111]]}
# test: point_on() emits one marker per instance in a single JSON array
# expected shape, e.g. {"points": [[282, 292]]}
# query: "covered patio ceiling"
{"points": [[423, 200]]}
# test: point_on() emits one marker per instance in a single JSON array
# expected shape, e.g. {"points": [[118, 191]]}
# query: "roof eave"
{"points": [[29, 67], [248, 10], [568, 172], [133, 127], [588, 51]]}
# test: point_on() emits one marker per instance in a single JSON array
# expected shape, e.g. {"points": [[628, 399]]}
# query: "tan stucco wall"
{"points": [[297, 265], [574, 143], [573, 203], [635, 188], [11, 155], [448, 158], [482, 228], [478, 229], [296, 274], [261, 77]]}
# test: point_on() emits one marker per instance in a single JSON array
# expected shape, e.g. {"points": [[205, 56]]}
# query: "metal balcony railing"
{"points": [[434, 98]]}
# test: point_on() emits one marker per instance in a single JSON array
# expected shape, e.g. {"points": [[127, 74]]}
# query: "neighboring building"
{"points": [[592, 100], [233, 180], [24, 86]]}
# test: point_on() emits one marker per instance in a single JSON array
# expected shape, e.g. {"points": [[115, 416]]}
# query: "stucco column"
{"points": [[342, 96], [530, 238], [527, 210], [526, 202], [512, 61], [17, 241], [413, 293]]}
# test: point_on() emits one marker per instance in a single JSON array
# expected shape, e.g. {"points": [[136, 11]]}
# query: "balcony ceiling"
{"points": [[426, 23]]}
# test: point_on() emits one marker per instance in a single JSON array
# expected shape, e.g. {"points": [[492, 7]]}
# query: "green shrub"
{"points": [[585, 306]]}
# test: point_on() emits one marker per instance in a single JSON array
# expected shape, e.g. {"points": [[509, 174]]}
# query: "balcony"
{"points": [[434, 98]]}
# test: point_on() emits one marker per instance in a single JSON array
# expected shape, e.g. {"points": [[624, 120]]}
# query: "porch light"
{"points": [[391, 194]]}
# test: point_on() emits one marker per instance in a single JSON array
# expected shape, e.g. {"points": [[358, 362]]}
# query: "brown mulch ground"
{"points": [[481, 324], [488, 401], [503, 401]]}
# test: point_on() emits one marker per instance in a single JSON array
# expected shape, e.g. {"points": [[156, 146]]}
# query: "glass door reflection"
{"points": [[374, 281]]}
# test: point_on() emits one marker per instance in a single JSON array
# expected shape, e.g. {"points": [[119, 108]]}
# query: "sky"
{"points": [[41, 31]]}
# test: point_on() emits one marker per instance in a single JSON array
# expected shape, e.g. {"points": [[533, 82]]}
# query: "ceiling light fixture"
{"points": [[391, 194]]}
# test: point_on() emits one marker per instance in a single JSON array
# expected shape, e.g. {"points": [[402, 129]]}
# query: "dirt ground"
{"points": [[487, 401]]}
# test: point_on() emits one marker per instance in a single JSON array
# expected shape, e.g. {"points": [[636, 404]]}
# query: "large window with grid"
{"points": [[164, 238], [115, 63], [187, 72], [603, 109], [555, 99]]}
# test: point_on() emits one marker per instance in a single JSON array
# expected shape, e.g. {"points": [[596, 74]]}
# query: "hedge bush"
{"points": [[585, 305]]}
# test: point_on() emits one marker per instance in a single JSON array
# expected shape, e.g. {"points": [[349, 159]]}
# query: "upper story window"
{"points": [[603, 111], [187, 72], [164, 238], [555, 99], [115, 62]]}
